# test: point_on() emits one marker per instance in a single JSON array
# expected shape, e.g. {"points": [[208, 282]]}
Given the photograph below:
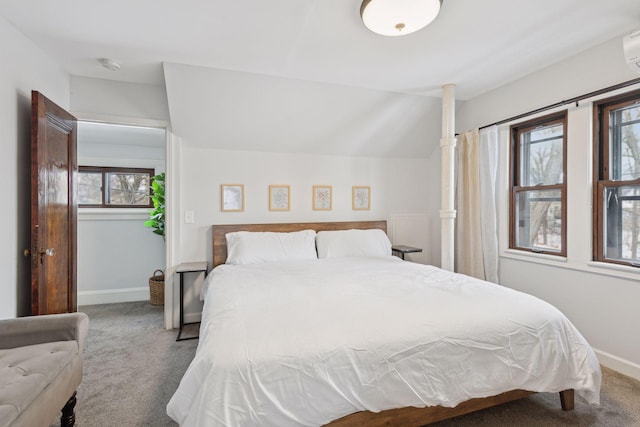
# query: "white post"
{"points": [[448, 146]]}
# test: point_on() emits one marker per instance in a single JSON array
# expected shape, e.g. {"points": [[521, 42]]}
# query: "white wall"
{"points": [[24, 68], [434, 178], [238, 127], [397, 187], [600, 301], [594, 69]]}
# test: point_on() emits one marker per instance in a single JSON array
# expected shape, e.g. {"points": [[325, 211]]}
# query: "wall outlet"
{"points": [[188, 217]]}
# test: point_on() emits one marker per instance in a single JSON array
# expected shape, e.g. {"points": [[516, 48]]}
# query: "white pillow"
{"points": [[345, 243], [247, 247]]}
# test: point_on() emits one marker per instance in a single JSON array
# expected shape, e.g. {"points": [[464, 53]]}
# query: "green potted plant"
{"points": [[156, 221], [156, 215]]}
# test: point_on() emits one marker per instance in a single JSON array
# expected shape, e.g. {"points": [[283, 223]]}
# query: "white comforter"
{"points": [[304, 343]]}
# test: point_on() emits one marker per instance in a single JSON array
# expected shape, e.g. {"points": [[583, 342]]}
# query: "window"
{"points": [[538, 185], [110, 187], [617, 180]]}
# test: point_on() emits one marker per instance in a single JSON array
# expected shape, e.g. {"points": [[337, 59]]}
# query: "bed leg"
{"points": [[567, 400]]}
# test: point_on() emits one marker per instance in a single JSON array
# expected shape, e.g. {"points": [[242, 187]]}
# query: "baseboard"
{"points": [[192, 317], [618, 364], [110, 296]]}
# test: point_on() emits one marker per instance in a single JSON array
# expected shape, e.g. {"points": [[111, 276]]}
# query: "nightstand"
{"points": [[403, 249], [182, 269]]}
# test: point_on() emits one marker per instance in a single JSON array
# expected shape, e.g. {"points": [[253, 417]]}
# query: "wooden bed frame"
{"points": [[220, 231], [405, 417]]}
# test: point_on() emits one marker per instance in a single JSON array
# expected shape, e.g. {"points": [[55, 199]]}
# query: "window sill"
{"points": [[628, 271], [592, 267], [528, 256], [112, 214]]}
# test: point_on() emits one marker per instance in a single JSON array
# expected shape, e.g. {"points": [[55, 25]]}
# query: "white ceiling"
{"points": [[476, 44]]}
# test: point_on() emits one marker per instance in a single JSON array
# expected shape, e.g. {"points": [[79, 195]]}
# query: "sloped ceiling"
{"points": [[235, 110]]}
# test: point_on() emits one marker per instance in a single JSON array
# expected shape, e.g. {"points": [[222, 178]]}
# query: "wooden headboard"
{"points": [[219, 232]]}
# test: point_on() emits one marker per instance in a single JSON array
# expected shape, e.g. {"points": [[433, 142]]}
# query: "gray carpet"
{"points": [[133, 366]]}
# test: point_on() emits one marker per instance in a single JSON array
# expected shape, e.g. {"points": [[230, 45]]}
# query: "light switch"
{"points": [[188, 217]]}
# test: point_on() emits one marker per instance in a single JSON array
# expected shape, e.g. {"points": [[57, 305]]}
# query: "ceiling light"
{"points": [[398, 17], [109, 64]]}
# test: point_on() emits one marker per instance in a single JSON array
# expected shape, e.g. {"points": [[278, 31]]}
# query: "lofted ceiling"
{"points": [[478, 45]]}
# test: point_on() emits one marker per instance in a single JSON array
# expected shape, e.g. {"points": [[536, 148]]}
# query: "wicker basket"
{"points": [[156, 288]]}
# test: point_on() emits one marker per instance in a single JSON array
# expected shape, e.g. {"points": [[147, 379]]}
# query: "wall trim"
{"points": [[120, 120], [157, 164], [192, 317], [172, 229], [113, 214], [618, 364], [110, 296]]}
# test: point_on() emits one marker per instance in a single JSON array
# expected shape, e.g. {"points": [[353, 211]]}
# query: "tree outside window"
{"points": [[538, 187], [114, 187], [617, 180]]}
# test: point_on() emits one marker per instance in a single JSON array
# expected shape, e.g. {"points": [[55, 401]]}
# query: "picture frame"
{"points": [[279, 197], [321, 198], [232, 197], [361, 198]]}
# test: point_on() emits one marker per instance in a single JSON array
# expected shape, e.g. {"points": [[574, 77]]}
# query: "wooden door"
{"points": [[53, 208]]}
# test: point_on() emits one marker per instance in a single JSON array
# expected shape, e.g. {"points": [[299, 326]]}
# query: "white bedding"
{"points": [[304, 343]]}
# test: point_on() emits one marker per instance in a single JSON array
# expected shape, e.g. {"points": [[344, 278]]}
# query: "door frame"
{"points": [[171, 198]]}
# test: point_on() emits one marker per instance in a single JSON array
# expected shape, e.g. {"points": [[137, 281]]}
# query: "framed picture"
{"points": [[361, 198], [321, 197], [279, 197], [232, 197]]}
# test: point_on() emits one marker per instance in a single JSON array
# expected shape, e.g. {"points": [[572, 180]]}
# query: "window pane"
{"points": [[128, 189], [90, 188], [541, 156], [622, 223], [624, 143], [539, 220]]}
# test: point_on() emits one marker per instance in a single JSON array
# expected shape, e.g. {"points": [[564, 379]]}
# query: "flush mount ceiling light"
{"points": [[109, 64], [398, 17]]}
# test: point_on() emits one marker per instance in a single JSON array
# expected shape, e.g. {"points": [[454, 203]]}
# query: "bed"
{"points": [[359, 337]]}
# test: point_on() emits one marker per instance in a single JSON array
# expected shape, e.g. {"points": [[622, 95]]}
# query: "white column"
{"points": [[448, 146]]}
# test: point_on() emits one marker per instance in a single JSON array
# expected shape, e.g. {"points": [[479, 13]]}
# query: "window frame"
{"points": [[602, 174], [515, 175], [104, 171]]}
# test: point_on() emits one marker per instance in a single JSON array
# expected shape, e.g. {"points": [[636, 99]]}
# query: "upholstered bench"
{"points": [[40, 368]]}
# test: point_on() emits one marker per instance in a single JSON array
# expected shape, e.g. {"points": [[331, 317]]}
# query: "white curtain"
{"points": [[468, 238], [489, 165], [476, 225]]}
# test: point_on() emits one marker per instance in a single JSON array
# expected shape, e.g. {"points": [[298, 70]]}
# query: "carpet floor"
{"points": [[132, 367]]}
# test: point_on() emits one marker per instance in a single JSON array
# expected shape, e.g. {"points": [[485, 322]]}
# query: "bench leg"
{"points": [[567, 400], [68, 418]]}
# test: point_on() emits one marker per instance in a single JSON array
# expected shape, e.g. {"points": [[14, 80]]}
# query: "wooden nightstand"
{"points": [[403, 249], [182, 269]]}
